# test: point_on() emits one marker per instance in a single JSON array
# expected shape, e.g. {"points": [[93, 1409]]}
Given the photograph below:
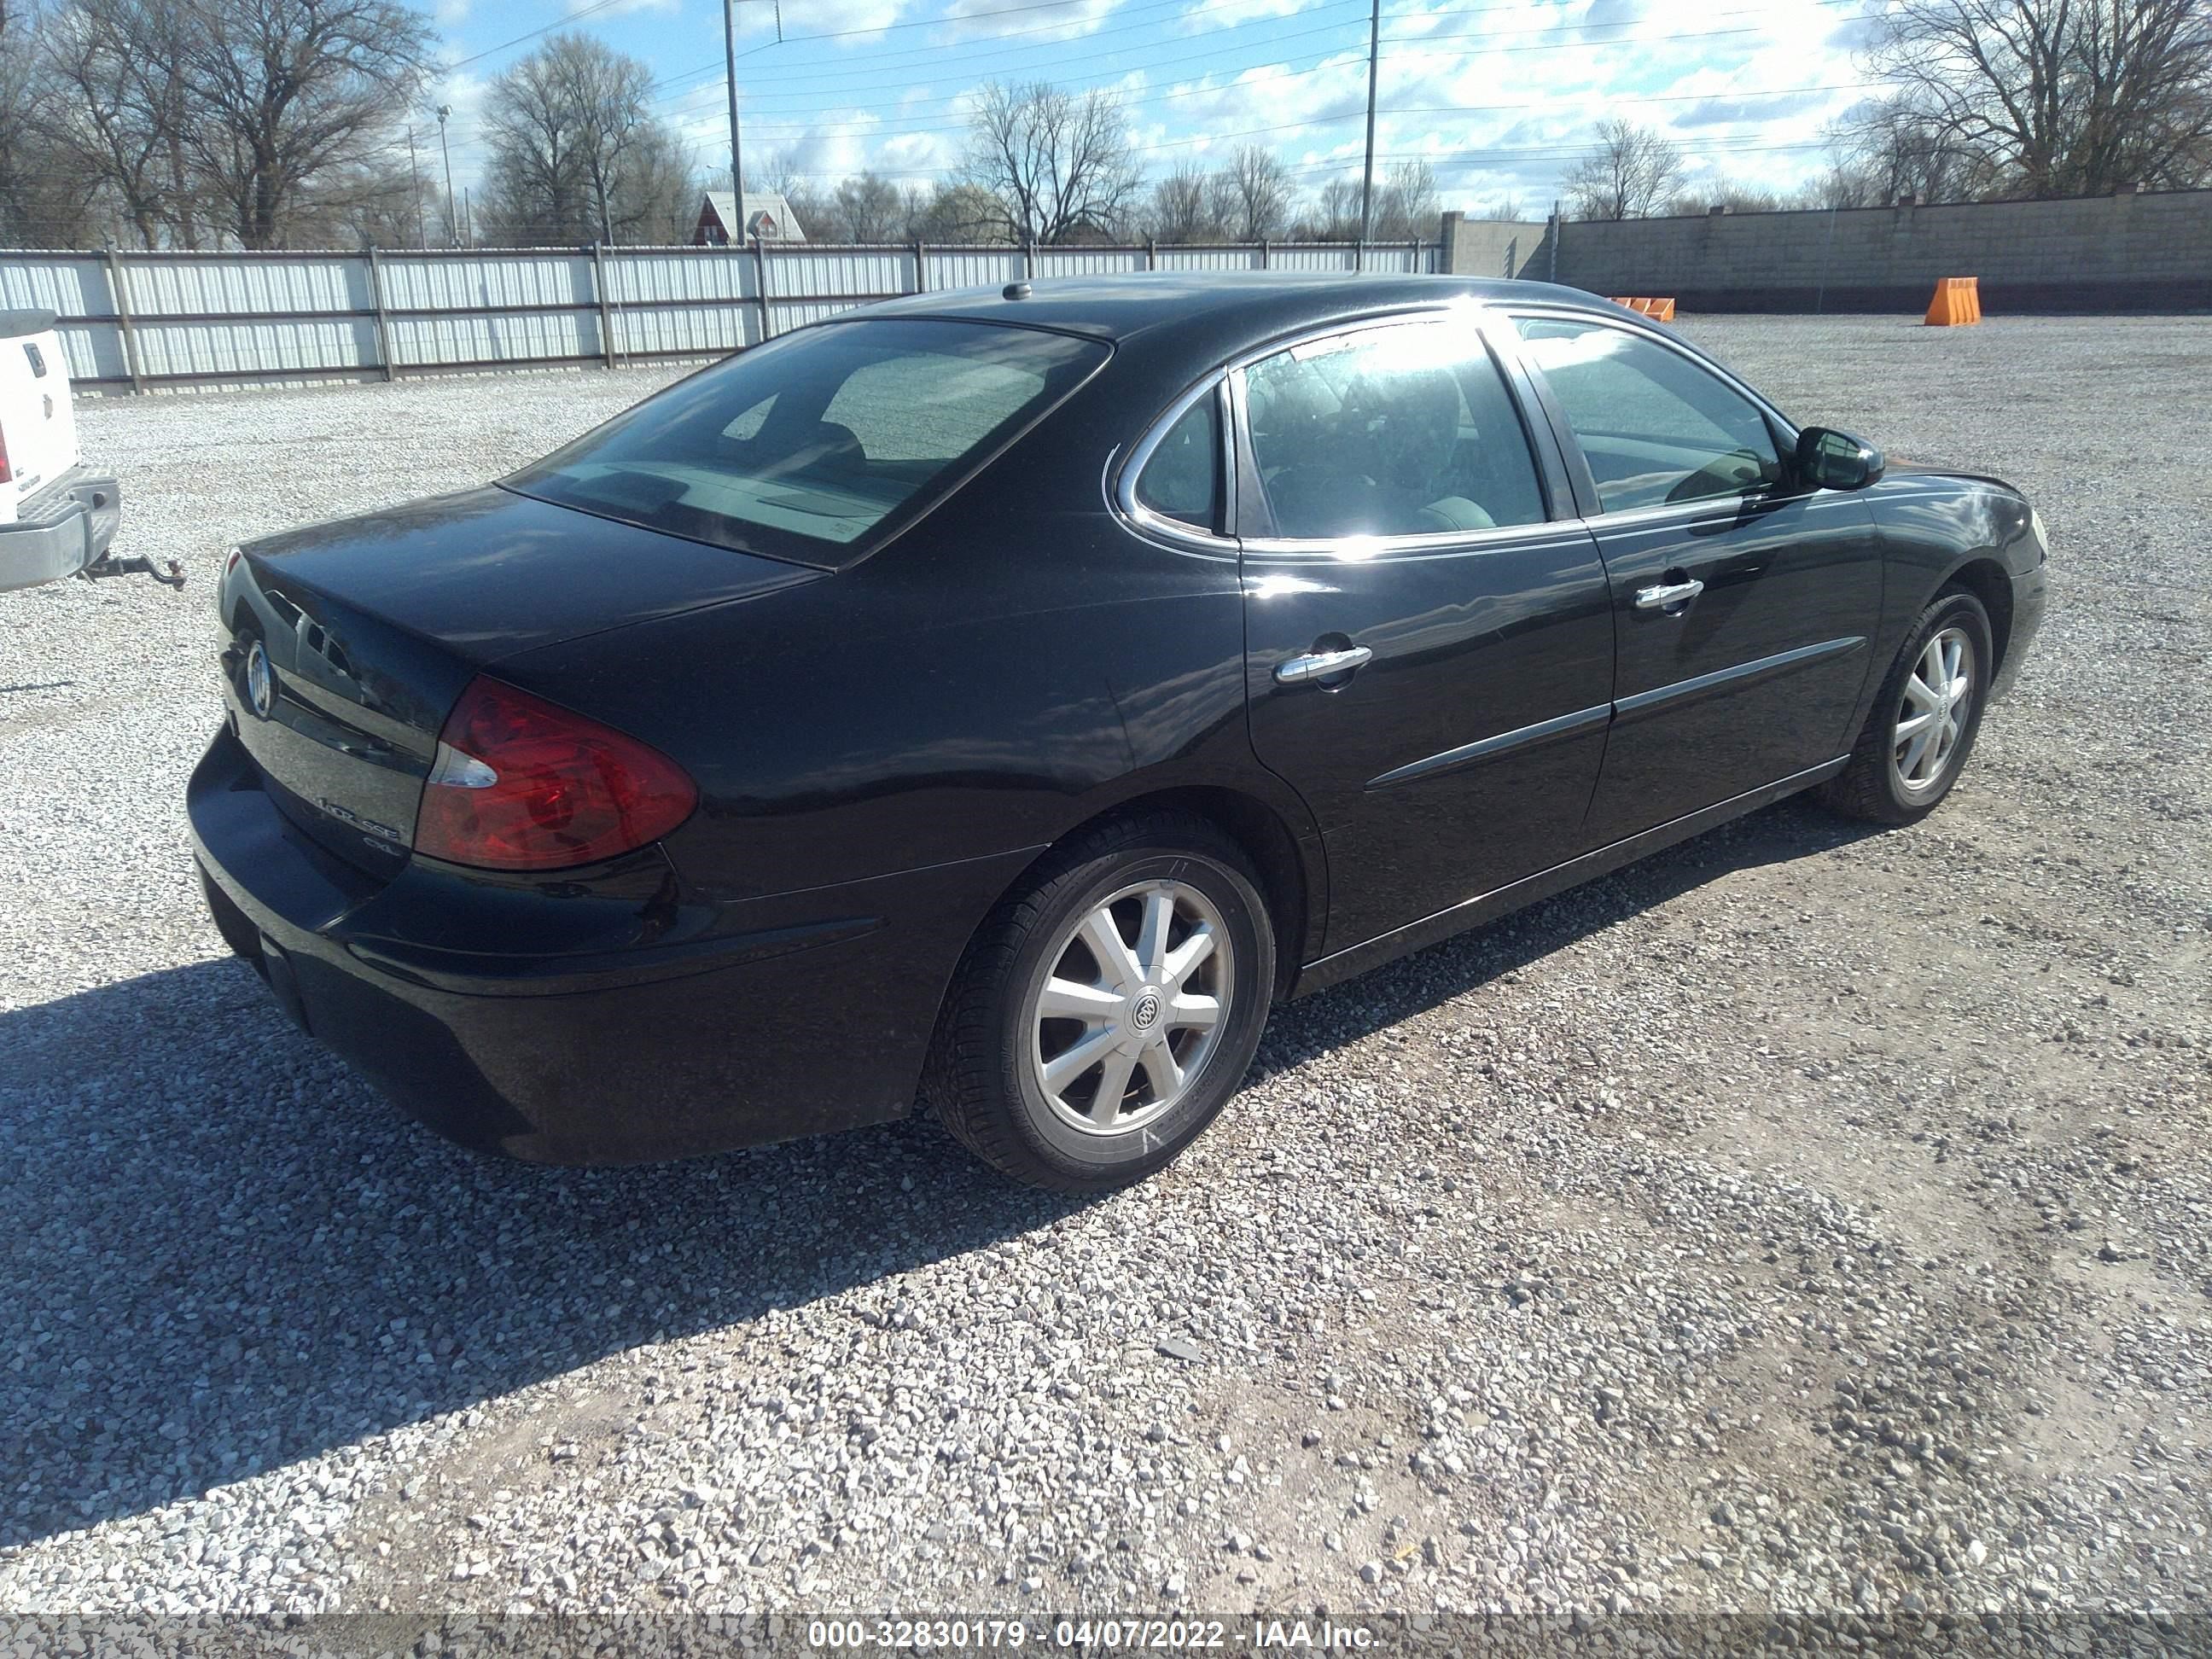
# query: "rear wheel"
{"points": [[1104, 1015], [1925, 720]]}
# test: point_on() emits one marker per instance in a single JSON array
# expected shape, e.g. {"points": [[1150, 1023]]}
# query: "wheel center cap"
{"points": [[1145, 1010]]}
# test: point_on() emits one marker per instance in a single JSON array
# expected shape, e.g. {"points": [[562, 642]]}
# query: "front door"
{"points": [[1429, 651], [1743, 606]]}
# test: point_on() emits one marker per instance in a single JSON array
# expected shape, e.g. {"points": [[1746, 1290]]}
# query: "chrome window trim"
{"points": [[1438, 545], [1123, 493]]}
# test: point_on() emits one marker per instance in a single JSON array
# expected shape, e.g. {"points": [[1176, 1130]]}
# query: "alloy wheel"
{"points": [[1129, 1008], [1932, 715]]}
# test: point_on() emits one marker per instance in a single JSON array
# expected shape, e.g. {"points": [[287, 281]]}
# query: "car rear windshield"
{"points": [[821, 444]]}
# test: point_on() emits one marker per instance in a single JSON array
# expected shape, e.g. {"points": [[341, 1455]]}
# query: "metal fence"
{"points": [[169, 320]]}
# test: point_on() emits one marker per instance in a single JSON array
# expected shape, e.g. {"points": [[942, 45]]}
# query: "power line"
{"points": [[1402, 57]]}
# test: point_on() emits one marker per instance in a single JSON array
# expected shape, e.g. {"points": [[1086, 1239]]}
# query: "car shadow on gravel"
{"points": [[1314, 1026], [226, 1253]]}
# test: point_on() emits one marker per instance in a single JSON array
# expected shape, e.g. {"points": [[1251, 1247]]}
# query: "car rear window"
{"points": [[819, 444]]}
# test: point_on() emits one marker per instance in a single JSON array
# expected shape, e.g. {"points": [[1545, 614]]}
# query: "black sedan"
{"points": [[997, 700]]}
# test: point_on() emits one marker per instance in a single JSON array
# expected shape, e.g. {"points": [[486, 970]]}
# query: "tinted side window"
{"points": [[1654, 426], [1183, 479], [1392, 431]]}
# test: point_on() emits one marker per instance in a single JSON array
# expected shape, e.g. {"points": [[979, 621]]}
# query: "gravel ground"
{"points": [[1803, 1219]]}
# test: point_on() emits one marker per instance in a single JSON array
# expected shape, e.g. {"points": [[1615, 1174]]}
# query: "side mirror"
{"points": [[1829, 460]]}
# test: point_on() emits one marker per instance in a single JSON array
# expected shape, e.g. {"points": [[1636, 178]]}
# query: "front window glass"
{"points": [[1395, 431], [1654, 426], [819, 443]]}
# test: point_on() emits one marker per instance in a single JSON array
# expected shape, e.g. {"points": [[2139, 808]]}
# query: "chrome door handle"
{"points": [[1321, 665], [1667, 593]]}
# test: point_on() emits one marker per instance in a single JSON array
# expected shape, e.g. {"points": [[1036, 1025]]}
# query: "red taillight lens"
{"points": [[6, 476], [522, 784]]}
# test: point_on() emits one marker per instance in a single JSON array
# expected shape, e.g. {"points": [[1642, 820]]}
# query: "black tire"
{"points": [[982, 1082], [1871, 786]]}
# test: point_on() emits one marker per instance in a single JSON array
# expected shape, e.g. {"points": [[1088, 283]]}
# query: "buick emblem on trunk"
{"points": [[260, 681]]}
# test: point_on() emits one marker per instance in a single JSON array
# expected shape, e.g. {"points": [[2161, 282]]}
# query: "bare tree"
{"points": [[575, 152], [130, 110], [1252, 195], [2059, 97], [284, 95], [1182, 207], [871, 209], [1059, 161], [960, 214], [1703, 197], [1406, 206], [48, 185], [1889, 148], [1335, 215], [1632, 172], [814, 208]]}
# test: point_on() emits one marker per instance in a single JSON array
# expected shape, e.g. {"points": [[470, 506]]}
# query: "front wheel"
{"points": [[1925, 720], [1105, 1014]]}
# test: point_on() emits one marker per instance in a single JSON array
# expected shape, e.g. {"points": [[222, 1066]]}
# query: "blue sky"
{"points": [[1498, 95]]}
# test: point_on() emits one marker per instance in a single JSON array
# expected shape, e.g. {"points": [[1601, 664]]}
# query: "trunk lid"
{"points": [[38, 422], [349, 642]]}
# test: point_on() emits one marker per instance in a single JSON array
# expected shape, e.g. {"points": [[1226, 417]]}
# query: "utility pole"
{"points": [[453, 230], [415, 173], [1367, 179], [736, 155]]}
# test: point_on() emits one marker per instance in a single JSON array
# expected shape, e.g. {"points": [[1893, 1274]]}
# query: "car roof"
{"points": [[1226, 308]]}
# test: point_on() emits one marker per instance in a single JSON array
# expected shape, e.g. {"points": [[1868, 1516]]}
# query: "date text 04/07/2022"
{"points": [[1086, 1634]]}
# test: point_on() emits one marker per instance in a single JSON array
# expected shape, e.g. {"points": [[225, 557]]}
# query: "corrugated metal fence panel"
{"points": [[202, 317], [1086, 261], [973, 267], [445, 340], [691, 302], [536, 305], [253, 348], [69, 285], [857, 274], [535, 277], [1212, 258], [1313, 256], [213, 318]]}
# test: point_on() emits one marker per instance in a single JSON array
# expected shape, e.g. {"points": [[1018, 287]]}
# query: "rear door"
{"points": [[1428, 650], [1743, 606], [38, 427]]}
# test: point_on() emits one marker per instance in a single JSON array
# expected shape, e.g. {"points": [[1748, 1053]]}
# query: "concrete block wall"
{"points": [[2148, 252], [1494, 248]]}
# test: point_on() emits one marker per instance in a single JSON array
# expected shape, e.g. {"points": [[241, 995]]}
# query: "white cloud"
{"points": [[971, 19], [1226, 13]]}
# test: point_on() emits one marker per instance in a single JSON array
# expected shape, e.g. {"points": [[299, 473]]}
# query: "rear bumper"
{"points": [[64, 527], [635, 1026]]}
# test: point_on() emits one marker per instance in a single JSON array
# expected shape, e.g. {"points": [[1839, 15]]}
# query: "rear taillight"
{"points": [[522, 784], [6, 476]]}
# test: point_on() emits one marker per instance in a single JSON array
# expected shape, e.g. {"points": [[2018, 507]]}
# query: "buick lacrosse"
{"points": [[995, 701]]}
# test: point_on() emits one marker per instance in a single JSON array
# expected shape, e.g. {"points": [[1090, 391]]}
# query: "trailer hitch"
{"points": [[170, 573]]}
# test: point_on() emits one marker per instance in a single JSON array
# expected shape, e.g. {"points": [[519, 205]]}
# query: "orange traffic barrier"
{"points": [[1660, 311], [1957, 300]]}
